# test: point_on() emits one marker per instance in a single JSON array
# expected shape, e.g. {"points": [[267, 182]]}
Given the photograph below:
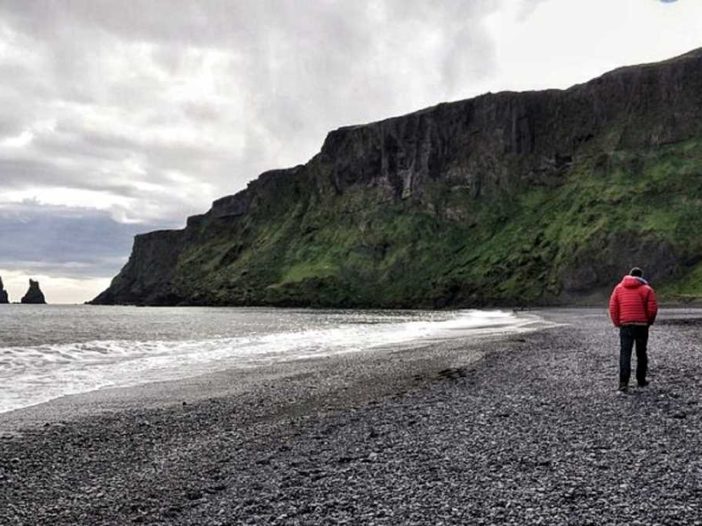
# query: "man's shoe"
{"points": [[643, 384], [623, 388]]}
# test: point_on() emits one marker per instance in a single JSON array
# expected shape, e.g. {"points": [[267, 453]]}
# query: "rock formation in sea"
{"points": [[3, 294], [34, 293], [540, 197]]}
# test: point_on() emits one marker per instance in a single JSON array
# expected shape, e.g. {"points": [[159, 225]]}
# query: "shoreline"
{"points": [[168, 394], [218, 383], [520, 429]]}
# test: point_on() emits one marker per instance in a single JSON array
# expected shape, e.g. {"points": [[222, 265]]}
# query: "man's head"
{"points": [[637, 272]]}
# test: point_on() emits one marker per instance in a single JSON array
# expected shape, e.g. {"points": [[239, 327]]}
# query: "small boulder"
{"points": [[34, 294]]}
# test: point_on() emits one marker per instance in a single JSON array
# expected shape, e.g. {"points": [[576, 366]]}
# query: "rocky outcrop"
{"points": [[34, 294], [3, 294], [148, 275], [504, 198]]}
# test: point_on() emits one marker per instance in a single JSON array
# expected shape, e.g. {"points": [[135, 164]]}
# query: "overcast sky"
{"points": [[118, 117]]}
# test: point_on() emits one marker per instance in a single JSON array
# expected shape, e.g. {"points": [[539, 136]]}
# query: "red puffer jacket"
{"points": [[633, 302]]}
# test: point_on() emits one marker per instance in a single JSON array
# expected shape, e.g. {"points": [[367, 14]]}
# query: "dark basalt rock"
{"points": [[34, 294], [398, 213], [3, 294]]}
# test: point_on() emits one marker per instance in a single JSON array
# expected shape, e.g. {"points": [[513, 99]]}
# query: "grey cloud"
{"points": [[19, 174], [456, 70], [527, 7], [202, 112], [64, 241], [75, 142], [317, 64], [19, 171], [185, 23], [10, 125]]}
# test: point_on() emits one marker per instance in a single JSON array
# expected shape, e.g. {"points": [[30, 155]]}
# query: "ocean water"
{"points": [[48, 351]]}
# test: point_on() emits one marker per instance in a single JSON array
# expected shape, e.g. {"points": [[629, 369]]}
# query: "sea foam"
{"points": [[33, 374]]}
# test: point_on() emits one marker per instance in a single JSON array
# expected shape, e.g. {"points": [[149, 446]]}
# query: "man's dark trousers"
{"points": [[628, 334]]}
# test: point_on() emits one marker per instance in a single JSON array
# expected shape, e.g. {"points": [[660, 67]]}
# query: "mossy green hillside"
{"points": [[530, 244]]}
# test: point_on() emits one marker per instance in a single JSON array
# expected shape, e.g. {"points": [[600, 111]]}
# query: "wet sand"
{"points": [[522, 429]]}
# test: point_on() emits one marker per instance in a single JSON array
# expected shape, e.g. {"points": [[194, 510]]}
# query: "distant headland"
{"points": [[34, 295]]}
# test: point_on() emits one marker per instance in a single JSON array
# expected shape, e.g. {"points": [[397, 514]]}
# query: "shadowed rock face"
{"points": [[148, 275], [3, 293], [34, 294], [507, 198]]}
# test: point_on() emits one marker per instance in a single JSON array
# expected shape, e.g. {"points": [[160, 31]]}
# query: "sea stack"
{"points": [[3, 293], [34, 294]]}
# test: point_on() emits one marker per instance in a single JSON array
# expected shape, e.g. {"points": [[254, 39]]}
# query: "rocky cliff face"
{"points": [[3, 294], [537, 197], [147, 278], [34, 294]]}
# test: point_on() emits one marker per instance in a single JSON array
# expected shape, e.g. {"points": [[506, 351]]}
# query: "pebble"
{"points": [[534, 433]]}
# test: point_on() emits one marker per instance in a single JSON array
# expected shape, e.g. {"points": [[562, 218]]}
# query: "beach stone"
{"points": [[530, 435]]}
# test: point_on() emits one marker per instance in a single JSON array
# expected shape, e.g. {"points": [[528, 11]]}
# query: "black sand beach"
{"points": [[526, 429]]}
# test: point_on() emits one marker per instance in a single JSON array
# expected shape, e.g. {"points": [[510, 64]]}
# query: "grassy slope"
{"points": [[355, 250]]}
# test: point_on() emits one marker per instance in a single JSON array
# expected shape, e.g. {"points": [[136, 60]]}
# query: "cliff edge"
{"points": [[541, 197]]}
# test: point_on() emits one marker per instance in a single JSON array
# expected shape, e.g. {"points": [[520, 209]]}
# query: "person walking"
{"points": [[633, 309]]}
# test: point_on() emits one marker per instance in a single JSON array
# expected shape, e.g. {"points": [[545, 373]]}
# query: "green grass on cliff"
{"points": [[528, 245], [687, 288]]}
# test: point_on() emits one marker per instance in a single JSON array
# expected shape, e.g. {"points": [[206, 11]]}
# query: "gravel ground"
{"points": [[524, 430]]}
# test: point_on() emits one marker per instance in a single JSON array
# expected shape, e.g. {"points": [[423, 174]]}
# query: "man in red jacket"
{"points": [[633, 309]]}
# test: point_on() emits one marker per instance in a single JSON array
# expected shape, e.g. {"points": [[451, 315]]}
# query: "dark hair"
{"points": [[636, 271]]}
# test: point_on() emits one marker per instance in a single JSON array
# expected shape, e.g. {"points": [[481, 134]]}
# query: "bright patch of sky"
{"points": [[133, 115], [55, 289]]}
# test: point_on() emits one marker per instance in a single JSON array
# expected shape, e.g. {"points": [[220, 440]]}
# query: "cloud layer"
{"points": [[82, 242], [151, 109]]}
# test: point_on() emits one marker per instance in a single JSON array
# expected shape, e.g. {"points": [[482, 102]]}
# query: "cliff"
{"points": [[3, 294], [34, 294], [509, 198]]}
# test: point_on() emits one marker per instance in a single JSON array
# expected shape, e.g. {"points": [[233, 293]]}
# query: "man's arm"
{"points": [[651, 306], [614, 307]]}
